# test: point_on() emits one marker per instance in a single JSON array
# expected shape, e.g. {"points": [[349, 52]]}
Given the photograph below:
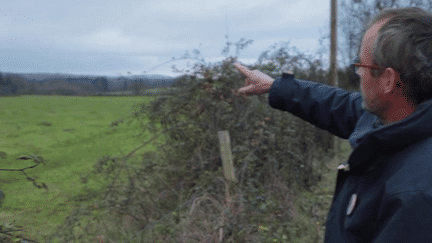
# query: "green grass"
{"points": [[78, 136]]}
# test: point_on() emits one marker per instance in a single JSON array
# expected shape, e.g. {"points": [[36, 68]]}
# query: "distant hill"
{"points": [[42, 76], [48, 83], [152, 80]]}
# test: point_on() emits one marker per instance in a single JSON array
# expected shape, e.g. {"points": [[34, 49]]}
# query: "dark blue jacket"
{"points": [[384, 191]]}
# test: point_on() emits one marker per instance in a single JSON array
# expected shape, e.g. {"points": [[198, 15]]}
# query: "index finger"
{"points": [[243, 69]]}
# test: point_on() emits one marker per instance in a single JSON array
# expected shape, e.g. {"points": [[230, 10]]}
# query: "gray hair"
{"points": [[404, 43]]}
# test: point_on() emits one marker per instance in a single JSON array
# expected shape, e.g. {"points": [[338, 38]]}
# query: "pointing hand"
{"points": [[256, 82]]}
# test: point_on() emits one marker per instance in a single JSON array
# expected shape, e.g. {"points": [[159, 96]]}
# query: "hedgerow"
{"points": [[179, 193]]}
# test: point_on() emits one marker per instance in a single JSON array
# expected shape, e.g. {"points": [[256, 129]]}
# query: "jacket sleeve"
{"points": [[327, 107], [406, 217]]}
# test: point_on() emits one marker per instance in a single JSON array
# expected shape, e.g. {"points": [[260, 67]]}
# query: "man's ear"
{"points": [[391, 80]]}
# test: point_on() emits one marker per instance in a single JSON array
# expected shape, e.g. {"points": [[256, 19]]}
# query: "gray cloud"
{"points": [[110, 37]]}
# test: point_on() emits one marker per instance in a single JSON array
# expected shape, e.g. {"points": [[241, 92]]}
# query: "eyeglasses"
{"points": [[358, 65]]}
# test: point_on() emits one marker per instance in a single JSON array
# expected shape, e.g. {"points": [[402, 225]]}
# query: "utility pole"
{"points": [[333, 62], [333, 44], [328, 141]]}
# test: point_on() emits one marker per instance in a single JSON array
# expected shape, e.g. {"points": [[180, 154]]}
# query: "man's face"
{"points": [[368, 84]]}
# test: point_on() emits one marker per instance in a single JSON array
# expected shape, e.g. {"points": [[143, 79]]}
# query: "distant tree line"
{"points": [[15, 85], [7, 87]]}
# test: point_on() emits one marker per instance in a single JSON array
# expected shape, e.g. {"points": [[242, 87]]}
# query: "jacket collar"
{"points": [[371, 138]]}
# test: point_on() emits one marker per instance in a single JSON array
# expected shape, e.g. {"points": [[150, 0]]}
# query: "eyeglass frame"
{"points": [[358, 65]]}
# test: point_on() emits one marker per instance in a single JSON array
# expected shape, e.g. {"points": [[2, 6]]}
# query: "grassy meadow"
{"points": [[78, 136]]}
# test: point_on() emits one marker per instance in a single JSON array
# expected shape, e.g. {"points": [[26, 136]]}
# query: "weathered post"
{"points": [[228, 167], [225, 150]]}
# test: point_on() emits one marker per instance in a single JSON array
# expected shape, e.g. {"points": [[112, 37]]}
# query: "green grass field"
{"points": [[78, 136]]}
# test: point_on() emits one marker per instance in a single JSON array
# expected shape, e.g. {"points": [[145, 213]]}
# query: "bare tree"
{"points": [[355, 14]]}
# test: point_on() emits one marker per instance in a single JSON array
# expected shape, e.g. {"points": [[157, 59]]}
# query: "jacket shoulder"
{"points": [[412, 169]]}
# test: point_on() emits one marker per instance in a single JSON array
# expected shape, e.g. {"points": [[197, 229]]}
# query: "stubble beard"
{"points": [[364, 105]]}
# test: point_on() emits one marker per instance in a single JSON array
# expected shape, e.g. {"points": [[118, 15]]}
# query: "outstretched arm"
{"points": [[327, 107]]}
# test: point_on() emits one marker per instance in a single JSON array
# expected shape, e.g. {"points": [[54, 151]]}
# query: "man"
{"points": [[384, 191]]}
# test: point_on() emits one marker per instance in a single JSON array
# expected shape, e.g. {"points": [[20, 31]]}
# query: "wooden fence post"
{"points": [[228, 167], [225, 150]]}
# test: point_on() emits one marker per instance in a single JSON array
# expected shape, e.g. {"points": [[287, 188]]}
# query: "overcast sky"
{"points": [[106, 37]]}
